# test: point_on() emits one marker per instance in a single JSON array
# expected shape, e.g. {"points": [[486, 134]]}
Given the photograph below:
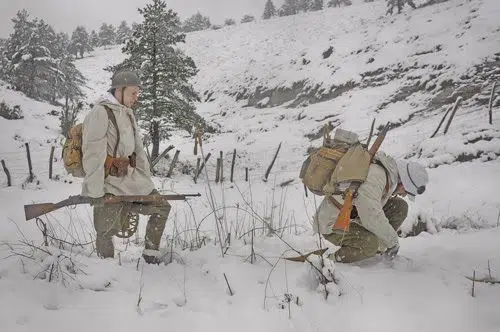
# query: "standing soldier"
{"points": [[115, 163]]}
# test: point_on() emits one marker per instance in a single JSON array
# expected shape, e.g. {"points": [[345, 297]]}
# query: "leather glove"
{"points": [[392, 252]]}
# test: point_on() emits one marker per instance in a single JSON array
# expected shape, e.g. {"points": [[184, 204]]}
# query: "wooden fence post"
{"points": [[9, 180], [157, 159], [232, 164], [441, 122], [31, 178], [198, 160], [50, 161], [217, 171], [203, 165], [221, 168], [272, 163], [491, 103], [171, 168], [457, 102]]}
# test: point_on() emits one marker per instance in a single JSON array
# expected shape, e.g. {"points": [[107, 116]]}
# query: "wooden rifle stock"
{"points": [[32, 211], [344, 218]]}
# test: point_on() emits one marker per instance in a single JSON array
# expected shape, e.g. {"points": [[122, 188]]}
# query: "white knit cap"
{"points": [[413, 176]]}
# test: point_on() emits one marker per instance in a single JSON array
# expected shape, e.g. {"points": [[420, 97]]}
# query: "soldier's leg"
{"points": [[106, 224], [396, 210], [355, 245], [156, 223]]}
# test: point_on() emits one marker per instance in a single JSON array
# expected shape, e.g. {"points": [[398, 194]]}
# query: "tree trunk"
{"points": [[155, 139]]}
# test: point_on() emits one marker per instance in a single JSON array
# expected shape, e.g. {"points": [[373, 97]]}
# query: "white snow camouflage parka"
{"points": [[99, 139], [369, 203]]}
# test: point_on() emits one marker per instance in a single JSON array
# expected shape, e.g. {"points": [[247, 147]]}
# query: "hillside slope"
{"points": [[249, 287]]}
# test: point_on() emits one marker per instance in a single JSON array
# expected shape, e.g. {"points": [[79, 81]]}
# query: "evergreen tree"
{"points": [[247, 18], [47, 36], [94, 39], [289, 7], [391, 4], [61, 45], [229, 21], [32, 61], [3, 59], [107, 34], [23, 29], [33, 70], [338, 3], [167, 97], [269, 10], [31, 67], [80, 41], [123, 33], [197, 22], [317, 5], [304, 5], [69, 88]]}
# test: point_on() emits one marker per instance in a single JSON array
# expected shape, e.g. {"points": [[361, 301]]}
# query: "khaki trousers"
{"points": [[110, 218], [358, 243]]}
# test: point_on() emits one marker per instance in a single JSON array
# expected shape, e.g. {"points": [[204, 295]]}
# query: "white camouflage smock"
{"points": [[99, 139]]}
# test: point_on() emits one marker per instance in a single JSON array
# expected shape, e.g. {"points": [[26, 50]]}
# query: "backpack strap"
{"points": [[108, 162], [112, 117]]}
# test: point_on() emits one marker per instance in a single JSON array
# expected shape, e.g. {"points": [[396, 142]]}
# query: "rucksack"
{"points": [[72, 149], [336, 165]]}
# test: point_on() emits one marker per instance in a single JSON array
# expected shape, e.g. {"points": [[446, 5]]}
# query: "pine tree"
{"points": [[391, 4], [304, 5], [197, 22], [247, 18], [23, 29], [61, 45], [123, 33], [167, 97], [229, 21], [3, 59], [69, 88], [269, 10], [47, 36], [317, 5], [31, 67], [80, 41], [107, 35], [338, 3], [94, 39], [289, 7], [33, 60]]}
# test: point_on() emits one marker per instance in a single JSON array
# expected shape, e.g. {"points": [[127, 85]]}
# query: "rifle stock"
{"points": [[344, 217], [32, 211]]}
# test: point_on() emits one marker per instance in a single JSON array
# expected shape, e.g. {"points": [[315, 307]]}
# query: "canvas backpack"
{"points": [[338, 164], [72, 149]]}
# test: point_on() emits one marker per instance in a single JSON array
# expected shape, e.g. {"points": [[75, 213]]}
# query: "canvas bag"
{"points": [[72, 149], [332, 168]]}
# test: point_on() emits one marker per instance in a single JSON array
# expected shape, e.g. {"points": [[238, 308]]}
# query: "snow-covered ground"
{"points": [[424, 289]]}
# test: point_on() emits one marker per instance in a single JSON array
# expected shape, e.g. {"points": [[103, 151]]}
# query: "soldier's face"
{"points": [[130, 95]]}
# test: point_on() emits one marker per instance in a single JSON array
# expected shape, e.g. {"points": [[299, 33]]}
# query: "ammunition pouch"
{"points": [[119, 166]]}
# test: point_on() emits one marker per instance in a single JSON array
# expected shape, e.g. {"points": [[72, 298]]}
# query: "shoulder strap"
{"points": [[112, 117]]}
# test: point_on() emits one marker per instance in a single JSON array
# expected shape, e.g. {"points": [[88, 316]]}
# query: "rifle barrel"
{"points": [[32, 211]]}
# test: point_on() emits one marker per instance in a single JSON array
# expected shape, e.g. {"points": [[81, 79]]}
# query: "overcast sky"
{"points": [[65, 15]]}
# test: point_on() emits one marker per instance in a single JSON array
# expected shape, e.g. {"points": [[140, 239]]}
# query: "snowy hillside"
{"points": [[263, 84]]}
